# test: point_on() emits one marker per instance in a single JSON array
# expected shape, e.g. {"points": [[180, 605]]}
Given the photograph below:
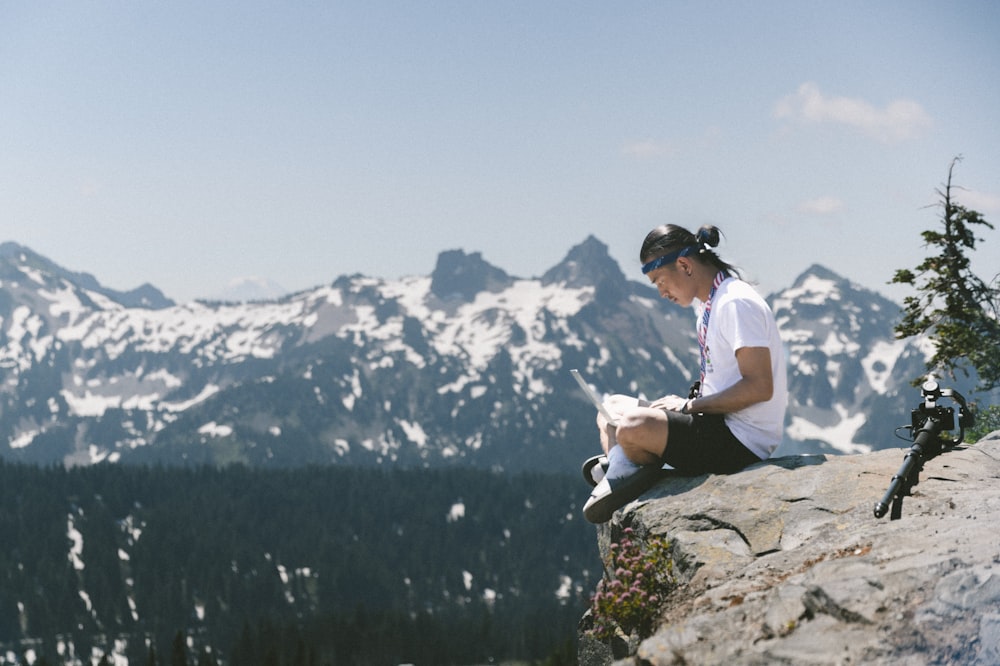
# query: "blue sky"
{"points": [[189, 143]]}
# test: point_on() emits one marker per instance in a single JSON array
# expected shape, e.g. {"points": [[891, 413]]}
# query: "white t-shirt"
{"points": [[741, 318]]}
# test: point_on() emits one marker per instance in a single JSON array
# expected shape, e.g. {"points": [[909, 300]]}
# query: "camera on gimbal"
{"points": [[943, 417], [927, 423]]}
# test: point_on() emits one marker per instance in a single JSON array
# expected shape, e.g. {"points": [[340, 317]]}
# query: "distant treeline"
{"points": [[314, 565]]}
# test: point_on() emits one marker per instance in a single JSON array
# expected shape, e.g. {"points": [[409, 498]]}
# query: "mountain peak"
{"points": [[819, 281], [589, 264], [15, 257], [585, 264], [15, 254], [10, 249], [461, 275], [248, 289], [818, 271], [144, 296]]}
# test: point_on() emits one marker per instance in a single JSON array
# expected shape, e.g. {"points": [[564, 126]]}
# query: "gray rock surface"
{"points": [[785, 563]]}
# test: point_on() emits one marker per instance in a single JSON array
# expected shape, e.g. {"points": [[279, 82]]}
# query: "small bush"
{"points": [[987, 421], [635, 588]]}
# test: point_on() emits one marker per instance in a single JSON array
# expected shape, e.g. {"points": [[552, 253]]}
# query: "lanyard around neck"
{"points": [[703, 323]]}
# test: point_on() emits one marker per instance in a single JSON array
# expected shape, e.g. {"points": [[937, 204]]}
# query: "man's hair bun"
{"points": [[709, 235]]}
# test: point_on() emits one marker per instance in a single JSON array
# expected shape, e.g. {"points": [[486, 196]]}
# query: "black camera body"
{"points": [[943, 415]]}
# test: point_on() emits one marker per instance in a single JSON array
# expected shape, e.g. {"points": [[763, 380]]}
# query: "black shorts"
{"points": [[703, 444]]}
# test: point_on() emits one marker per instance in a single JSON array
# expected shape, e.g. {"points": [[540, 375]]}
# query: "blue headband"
{"points": [[668, 258]]}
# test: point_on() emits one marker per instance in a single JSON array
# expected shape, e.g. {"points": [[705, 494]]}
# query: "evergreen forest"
{"points": [[315, 566]]}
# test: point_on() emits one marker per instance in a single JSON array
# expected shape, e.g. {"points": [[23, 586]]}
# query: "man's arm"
{"points": [[755, 385]]}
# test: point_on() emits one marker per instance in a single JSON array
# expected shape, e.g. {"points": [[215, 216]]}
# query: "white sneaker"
{"points": [[594, 469], [611, 494]]}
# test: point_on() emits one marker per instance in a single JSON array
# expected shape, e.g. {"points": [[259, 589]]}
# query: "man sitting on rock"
{"points": [[736, 417]]}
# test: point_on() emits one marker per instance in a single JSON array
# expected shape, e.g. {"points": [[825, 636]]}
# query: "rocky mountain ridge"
{"points": [[467, 366]]}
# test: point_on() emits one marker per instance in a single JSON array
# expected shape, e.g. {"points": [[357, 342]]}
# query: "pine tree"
{"points": [[207, 659], [178, 653], [956, 307]]}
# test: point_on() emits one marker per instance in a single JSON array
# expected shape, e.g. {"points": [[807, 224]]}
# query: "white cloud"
{"points": [[821, 206], [901, 119], [647, 148], [982, 202]]}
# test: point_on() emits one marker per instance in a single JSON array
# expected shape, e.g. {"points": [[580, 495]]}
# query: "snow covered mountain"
{"points": [[467, 366], [241, 290], [849, 379]]}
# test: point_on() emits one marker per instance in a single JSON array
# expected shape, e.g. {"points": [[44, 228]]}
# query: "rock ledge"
{"points": [[785, 563]]}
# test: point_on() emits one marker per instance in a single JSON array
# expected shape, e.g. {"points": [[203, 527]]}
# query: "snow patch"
{"points": [[456, 512], [813, 291], [565, 589], [843, 431], [24, 439], [414, 432], [213, 429], [207, 392], [76, 544], [880, 361]]}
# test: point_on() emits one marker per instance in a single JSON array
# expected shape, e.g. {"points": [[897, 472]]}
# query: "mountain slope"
{"points": [[468, 366], [847, 372]]}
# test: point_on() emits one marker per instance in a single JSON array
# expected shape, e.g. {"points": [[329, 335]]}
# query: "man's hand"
{"points": [[672, 403]]}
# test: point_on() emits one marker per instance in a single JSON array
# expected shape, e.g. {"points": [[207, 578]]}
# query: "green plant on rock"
{"points": [[635, 588], [987, 422]]}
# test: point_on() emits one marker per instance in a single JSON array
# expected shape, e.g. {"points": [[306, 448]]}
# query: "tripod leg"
{"points": [[896, 512]]}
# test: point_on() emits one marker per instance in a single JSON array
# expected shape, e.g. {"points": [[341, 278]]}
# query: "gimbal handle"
{"points": [[908, 475], [927, 443]]}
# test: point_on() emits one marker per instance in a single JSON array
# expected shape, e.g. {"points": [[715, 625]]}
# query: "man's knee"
{"points": [[642, 430], [620, 403]]}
